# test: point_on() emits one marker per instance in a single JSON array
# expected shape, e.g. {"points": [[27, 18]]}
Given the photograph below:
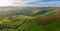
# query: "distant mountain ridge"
{"points": [[11, 11]]}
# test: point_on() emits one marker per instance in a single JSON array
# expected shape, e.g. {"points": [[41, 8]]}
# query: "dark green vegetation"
{"points": [[30, 19]]}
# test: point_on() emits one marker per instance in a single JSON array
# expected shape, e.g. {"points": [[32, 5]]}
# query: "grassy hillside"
{"points": [[7, 12], [39, 19]]}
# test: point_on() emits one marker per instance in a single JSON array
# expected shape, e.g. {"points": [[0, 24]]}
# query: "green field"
{"points": [[35, 20]]}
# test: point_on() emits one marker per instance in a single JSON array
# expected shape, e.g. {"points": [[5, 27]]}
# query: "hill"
{"points": [[7, 12], [30, 19]]}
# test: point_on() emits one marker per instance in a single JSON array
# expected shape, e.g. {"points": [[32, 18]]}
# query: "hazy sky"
{"points": [[35, 3]]}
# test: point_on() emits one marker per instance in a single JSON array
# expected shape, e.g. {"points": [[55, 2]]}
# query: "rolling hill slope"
{"points": [[30, 19]]}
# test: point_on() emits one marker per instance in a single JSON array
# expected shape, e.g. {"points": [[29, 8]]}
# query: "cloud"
{"points": [[42, 4], [5, 3], [30, 3], [50, 4], [25, 1], [49, 0]]}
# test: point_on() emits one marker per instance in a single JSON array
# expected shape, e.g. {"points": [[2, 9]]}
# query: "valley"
{"points": [[29, 19]]}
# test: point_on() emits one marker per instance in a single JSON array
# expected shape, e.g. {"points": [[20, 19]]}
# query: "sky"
{"points": [[30, 3]]}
